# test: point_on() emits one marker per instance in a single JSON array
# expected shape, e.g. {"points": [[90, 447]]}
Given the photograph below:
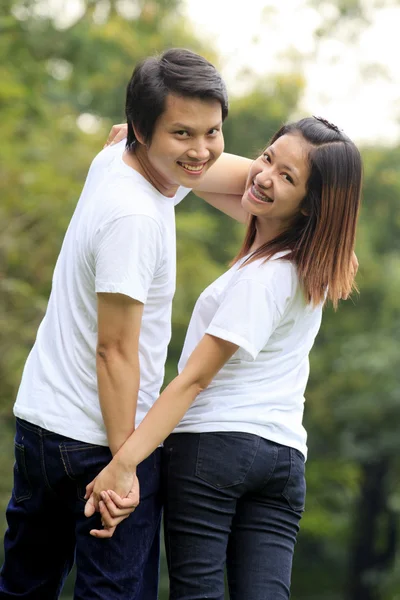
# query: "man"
{"points": [[98, 361]]}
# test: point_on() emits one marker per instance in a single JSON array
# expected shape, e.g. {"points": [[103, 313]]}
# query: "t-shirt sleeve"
{"points": [[181, 194], [247, 316], [127, 253]]}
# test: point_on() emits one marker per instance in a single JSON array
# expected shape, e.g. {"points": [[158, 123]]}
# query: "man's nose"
{"points": [[199, 151]]}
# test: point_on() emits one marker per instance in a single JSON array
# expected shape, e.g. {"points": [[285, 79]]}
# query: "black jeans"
{"points": [[234, 500], [47, 527]]}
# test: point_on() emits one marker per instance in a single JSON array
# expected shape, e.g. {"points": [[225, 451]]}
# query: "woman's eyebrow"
{"points": [[284, 165]]}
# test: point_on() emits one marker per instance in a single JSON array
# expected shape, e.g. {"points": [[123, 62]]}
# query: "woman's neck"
{"points": [[266, 230]]}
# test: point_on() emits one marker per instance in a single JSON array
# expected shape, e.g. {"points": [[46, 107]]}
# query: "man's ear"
{"points": [[138, 135]]}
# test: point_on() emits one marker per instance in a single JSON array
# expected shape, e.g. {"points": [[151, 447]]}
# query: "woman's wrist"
{"points": [[125, 461]]}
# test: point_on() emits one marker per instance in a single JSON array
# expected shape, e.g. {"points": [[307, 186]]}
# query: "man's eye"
{"points": [[213, 131]]}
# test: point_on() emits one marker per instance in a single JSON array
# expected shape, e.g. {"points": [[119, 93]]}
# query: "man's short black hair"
{"points": [[177, 71]]}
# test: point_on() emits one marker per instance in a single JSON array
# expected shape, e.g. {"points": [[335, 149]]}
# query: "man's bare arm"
{"points": [[117, 362]]}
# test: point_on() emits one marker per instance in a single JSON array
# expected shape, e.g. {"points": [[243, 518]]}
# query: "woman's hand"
{"points": [[117, 133], [354, 268], [354, 264], [113, 510], [115, 494]]}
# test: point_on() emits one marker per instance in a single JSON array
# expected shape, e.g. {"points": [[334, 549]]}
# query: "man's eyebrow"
{"points": [[285, 166], [178, 125]]}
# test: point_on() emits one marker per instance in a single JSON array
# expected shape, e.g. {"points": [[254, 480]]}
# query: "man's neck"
{"points": [[138, 160]]}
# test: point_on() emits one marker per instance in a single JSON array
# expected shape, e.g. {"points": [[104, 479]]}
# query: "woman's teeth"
{"points": [[260, 196]]}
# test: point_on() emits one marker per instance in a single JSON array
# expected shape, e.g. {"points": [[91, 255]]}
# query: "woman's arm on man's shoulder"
{"points": [[223, 185]]}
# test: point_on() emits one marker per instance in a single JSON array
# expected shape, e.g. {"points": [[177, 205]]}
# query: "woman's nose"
{"points": [[263, 180]]}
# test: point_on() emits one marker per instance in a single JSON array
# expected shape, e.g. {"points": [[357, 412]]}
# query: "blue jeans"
{"points": [[234, 500], [47, 528]]}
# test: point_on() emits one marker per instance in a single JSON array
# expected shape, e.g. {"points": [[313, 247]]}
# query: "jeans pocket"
{"points": [[22, 488], [83, 462], [295, 489], [225, 458]]}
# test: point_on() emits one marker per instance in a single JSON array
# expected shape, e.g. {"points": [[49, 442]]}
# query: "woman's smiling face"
{"points": [[277, 182]]}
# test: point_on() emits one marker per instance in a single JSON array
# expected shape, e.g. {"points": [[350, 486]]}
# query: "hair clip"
{"points": [[328, 124]]}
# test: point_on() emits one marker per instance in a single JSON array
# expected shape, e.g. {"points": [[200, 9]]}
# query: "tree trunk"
{"points": [[374, 538]]}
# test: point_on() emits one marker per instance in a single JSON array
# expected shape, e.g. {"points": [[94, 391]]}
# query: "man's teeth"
{"points": [[192, 167], [260, 196]]}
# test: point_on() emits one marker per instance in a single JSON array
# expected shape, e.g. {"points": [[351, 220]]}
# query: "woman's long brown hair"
{"points": [[320, 241]]}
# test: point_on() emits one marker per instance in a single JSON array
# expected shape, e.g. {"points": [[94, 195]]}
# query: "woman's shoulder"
{"points": [[270, 272]]}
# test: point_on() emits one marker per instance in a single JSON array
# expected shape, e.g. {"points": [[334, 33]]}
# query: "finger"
{"points": [[113, 132], [113, 510], [103, 533], [117, 133], [121, 135], [89, 488], [107, 520], [131, 501], [91, 506], [110, 511]]}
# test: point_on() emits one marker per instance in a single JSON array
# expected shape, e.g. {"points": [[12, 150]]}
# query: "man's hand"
{"points": [[114, 510], [117, 133], [115, 494]]}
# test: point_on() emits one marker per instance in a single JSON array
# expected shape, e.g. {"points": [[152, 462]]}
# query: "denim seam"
{"points": [[65, 460], [167, 537], [43, 463], [268, 478], [81, 447], [28, 495], [284, 494], [35, 428], [29, 426]]}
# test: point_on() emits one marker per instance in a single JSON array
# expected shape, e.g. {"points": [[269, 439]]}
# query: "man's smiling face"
{"points": [[186, 141]]}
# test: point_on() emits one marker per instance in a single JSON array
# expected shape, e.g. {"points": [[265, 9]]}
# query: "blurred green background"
{"points": [[61, 88]]}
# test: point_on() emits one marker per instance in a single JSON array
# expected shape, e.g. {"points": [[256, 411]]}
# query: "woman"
{"points": [[234, 464]]}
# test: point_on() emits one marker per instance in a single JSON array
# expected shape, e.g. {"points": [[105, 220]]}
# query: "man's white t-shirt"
{"points": [[260, 390], [121, 239]]}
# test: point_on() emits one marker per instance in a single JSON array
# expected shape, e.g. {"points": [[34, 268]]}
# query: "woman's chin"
{"points": [[249, 207]]}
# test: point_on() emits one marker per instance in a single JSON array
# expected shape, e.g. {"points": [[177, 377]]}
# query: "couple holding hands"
{"points": [[99, 451]]}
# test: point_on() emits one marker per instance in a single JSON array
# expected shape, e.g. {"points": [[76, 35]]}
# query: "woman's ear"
{"points": [[304, 208]]}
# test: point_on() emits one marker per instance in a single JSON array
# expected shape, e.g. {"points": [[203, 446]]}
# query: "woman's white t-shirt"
{"points": [[260, 307]]}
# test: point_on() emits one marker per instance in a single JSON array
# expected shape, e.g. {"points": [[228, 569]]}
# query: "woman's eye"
{"points": [[266, 157], [287, 177], [182, 133]]}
